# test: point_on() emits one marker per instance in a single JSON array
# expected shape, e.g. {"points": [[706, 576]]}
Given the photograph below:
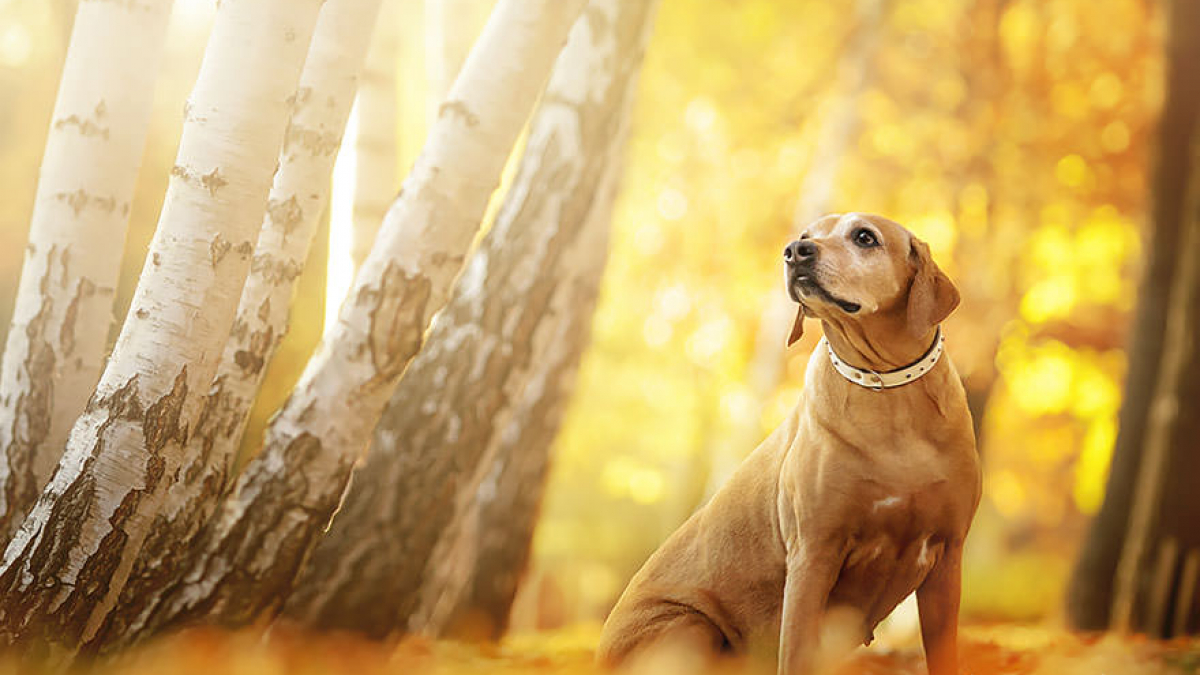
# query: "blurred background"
{"points": [[1015, 136]]}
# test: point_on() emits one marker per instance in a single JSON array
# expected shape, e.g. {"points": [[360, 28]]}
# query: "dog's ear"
{"points": [[798, 327], [932, 296]]}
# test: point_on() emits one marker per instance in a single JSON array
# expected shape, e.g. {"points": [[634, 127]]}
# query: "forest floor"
{"points": [[985, 650]]}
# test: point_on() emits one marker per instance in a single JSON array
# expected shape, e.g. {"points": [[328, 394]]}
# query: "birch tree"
{"points": [[247, 558], [473, 572], [64, 301], [505, 345], [298, 197], [64, 569], [376, 175]]}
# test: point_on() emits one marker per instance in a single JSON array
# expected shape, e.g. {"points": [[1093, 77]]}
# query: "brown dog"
{"points": [[863, 495]]}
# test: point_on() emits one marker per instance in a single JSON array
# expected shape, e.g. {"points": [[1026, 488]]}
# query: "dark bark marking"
{"points": [[252, 359], [64, 263], [286, 213], [86, 127], [315, 142], [161, 422], [274, 271], [397, 308], [213, 181], [31, 415], [218, 249], [66, 332], [80, 200], [460, 109]]}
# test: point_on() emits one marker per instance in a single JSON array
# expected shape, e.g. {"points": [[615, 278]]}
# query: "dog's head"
{"points": [[854, 267]]}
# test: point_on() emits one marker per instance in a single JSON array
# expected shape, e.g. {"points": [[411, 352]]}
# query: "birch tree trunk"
{"points": [[298, 197], [472, 574], [376, 176], [66, 566], [837, 135], [502, 346], [64, 302], [250, 553]]}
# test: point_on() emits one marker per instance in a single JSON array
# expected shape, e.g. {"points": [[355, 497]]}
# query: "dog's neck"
{"points": [[864, 347]]}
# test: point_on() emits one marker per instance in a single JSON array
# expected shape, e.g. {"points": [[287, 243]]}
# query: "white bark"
{"points": [[258, 540], [376, 175], [298, 197], [64, 302], [63, 570]]}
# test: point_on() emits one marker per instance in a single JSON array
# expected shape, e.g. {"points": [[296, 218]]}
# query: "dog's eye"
{"points": [[865, 238]]}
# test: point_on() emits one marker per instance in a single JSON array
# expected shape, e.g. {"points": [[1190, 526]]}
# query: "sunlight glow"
{"points": [[340, 270]]}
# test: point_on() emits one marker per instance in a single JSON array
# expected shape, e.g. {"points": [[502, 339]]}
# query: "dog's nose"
{"points": [[799, 251]]}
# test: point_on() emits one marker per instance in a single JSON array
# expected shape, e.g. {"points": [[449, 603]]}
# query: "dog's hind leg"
{"points": [[683, 639]]}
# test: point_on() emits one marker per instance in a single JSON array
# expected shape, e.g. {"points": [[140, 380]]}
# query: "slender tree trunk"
{"points": [[64, 302], [66, 566], [473, 571], [250, 553], [504, 349], [472, 576], [376, 175], [838, 133], [1090, 595], [298, 197]]}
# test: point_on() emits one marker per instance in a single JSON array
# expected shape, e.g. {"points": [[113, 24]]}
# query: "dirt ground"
{"points": [[985, 650]]}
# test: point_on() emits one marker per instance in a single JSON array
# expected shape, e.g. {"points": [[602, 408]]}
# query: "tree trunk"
{"points": [[376, 175], [504, 349], [249, 555], [1090, 595], [1155, 586], [298, 197], [64, 302], [472, 576], [69, 561]]}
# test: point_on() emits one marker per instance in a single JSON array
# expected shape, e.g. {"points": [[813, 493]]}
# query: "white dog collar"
{"points": [[893, 378]]}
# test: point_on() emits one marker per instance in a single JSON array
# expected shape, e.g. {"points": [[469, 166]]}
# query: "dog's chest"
{"points": [[888, 555]]}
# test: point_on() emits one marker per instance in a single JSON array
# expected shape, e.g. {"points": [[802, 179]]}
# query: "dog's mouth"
{"points": [[806, 284]]}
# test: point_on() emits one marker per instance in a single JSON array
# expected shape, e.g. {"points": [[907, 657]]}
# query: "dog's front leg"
{"points": [[810, 578], [937, 603]]}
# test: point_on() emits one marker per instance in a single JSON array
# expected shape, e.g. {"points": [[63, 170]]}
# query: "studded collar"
{"points": [[871, 379]]}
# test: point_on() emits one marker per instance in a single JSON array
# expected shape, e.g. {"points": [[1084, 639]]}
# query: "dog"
{"points": [[862, 496]]}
